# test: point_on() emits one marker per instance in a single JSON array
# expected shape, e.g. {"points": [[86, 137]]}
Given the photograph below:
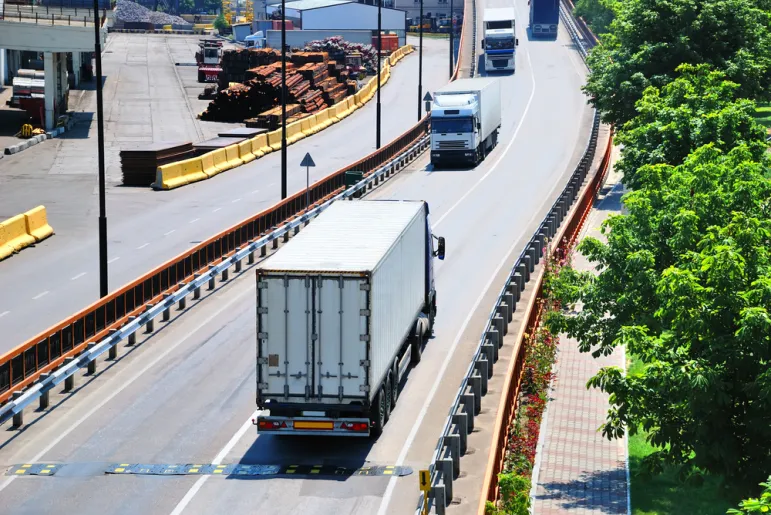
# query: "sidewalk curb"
{"points": [[31, 142]]}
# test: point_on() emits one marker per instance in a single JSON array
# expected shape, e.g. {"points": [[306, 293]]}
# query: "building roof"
{"points": [[305, 5]]}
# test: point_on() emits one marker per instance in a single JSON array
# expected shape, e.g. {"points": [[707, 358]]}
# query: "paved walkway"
{"points": [[580, 471]]}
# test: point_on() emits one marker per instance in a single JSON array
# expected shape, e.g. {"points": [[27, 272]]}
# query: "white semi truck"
{"points": [[343, 309], [500, 41], [465, 118]]}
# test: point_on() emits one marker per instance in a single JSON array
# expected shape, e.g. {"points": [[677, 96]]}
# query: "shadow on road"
{"points": [[598, 492]]}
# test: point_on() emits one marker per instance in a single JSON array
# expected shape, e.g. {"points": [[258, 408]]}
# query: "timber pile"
{"points": [[140, 163], [302, 58], [271, 119], [315, 73], [236, 62], [240, 101]]}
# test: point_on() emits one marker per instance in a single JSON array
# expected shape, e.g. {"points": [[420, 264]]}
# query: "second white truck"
{"points": [[465, 119], [500, 41]]}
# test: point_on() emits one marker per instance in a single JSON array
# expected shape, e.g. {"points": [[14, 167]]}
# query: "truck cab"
{"points": [[500, 41]]}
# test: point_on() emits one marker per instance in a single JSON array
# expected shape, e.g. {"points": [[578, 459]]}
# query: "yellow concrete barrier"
{"points": [[5, 249], [258, 143], [340, 111], [169, 176], [323, 119], [207, 163], [245, 151], [14, 235], [37, 223], [192, 170], [308, 124], [231, 154], [294, 132], [220, 160], [274, 140]]}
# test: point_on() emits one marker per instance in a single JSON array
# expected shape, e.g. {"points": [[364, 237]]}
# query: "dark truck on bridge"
{"points": [[343, 309], [544, 18]]}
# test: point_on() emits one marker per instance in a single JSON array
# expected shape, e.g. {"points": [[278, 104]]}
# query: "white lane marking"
{"points": [[194, 220], [430, 397], [40, 295], [216, 461], [503, 154], [142, 246], [72, 427], [113, 260], [81, 274], [4, 313], [235, 200], [216, 210], [171, 231]]}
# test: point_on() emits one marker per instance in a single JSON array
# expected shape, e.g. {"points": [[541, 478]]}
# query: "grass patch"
{"points": [[763, 114], [666, 494], [430, 35]]}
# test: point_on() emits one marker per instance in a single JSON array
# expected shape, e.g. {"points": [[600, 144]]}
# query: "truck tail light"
{"points": [[355, 426], [271, 424]]}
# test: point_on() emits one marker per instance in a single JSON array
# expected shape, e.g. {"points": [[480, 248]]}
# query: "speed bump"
{"points": [[198, 469], [34, 469]]}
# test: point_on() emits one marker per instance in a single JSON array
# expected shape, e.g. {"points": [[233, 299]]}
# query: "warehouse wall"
{"points": [[351, 16], [299, 38]]}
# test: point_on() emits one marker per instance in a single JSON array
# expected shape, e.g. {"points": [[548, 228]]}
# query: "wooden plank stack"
{"points": [[139, 164], [236, 62]]}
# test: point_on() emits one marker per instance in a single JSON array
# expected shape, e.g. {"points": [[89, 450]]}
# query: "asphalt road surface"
{"points": [[45, 284], [186, 395]]}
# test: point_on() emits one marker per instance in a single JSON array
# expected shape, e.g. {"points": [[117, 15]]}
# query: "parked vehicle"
{"points": [[343, 309], [465, 119]]}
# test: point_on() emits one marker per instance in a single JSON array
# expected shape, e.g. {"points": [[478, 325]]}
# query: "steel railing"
{"points": [[66, 13], [444, 466]]}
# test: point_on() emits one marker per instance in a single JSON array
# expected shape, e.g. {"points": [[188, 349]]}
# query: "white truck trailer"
{"points": [[465, 118], [500, 41], [343, 309]]}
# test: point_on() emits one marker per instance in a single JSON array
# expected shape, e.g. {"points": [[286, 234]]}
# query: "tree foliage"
{"points": [[756, 505], [699, 107], [649, 39], [597, 13]]}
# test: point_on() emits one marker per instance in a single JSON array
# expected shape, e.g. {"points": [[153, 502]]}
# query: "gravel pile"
{"points": [[131, 12]]}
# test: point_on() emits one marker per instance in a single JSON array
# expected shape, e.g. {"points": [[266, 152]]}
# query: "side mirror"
{"points": [[483, 44], [479, 126], [440, 249], [516, 42]]}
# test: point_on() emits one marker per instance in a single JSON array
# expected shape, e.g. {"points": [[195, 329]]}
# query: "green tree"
{"points": [[699, 107], [649, 39], [685, 285], [220, 22], [186, 6], [756, 505], [597, 13]]}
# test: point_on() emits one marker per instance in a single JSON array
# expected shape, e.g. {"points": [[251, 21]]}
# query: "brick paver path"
{"points": [[580, 471]]}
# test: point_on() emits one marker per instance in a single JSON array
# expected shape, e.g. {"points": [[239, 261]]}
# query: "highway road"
{"points": [[187, 394], [45, 284]]}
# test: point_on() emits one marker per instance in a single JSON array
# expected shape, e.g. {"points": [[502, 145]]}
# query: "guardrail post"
{"points": [[275, 240], [238, 263], [251, 258], [440, 499], [453, 443], [212, 278], [529, 266], [263, 251], [505, 311], [113, 352], [519, 280], [476, 386], [445, 465], [468, 403], [132, 339], [183, 300], [286, 236], [544, 241], [499, 319], [551, 226], [167, 311], [494, 337], [150, 326], [296, 230], [45, 394], [91, 367], [508, 300], [69, 383], [489, 349], [461, 424], [532, 253], [18, 418], [480, 365], [197, 291]]}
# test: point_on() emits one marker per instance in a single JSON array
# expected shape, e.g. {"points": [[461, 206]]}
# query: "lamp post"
{"points": [[452, 35], [420, 65], [379, 51], [100, 147], [283, 100]]}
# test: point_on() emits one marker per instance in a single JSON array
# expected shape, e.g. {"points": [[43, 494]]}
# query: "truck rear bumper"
{"points": [[452, 157], [312, 426]]}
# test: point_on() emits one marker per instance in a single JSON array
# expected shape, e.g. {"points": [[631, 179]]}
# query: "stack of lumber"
{"points": [[139, 164], [301, 58], [271, 119], [236, 62], [314, 72]]}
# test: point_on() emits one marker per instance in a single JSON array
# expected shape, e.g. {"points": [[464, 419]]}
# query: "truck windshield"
{"points": [[455, 125], [505, 43]]}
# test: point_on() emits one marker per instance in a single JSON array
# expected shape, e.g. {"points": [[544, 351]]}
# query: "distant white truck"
{"points": [[342, 310], [500, 41], [465, 119]]}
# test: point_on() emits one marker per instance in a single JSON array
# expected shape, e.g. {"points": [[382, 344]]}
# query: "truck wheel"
{"points": [[394, 384], [387, 389], [415, 350], [378, 414]]}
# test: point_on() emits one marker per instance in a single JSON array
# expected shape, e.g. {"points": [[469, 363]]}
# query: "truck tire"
{"points": [[415, 347], [387, 390], [394, 384], [377, 415], [420, 334]]}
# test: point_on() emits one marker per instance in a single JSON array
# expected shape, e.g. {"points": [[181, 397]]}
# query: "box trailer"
{"points": [[343, 309], [465, 118]]}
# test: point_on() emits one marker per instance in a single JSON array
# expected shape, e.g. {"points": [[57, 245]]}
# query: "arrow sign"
{"points": [[428, 97], [307, 161], [425, 480]]}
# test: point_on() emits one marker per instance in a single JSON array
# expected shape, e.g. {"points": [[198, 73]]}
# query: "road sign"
{"points": [[307, 163], [425, 480]]}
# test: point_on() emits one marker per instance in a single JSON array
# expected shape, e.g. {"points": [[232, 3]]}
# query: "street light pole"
{"points": [[283, 100], [100, 146], [420, 66], [452, 34], [379, 51]]}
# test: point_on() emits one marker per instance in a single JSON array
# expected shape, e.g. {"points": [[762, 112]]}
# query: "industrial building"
{"points": [[355, 22], [433, 8]]}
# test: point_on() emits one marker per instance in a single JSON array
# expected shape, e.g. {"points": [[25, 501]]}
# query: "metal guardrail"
{"points": [[151, 311], [62, 14], [452, 444]]}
